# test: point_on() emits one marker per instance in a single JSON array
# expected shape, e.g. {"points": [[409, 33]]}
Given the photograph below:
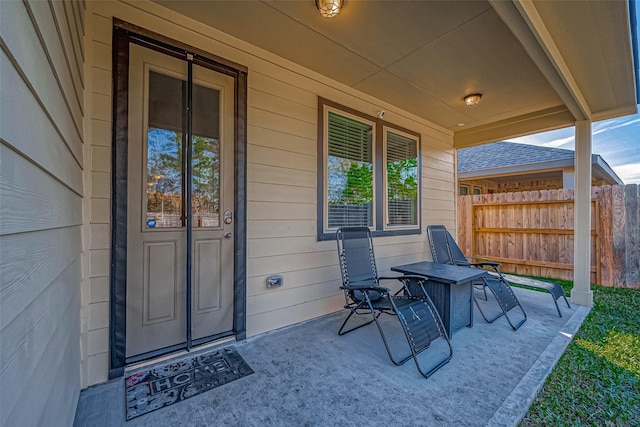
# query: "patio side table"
{"points": [[449, 287]]}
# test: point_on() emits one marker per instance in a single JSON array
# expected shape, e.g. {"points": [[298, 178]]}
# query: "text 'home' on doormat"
{"points": [[163, 385]]}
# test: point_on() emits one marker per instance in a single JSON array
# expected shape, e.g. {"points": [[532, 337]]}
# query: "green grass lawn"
{"points": [[597, 379]]}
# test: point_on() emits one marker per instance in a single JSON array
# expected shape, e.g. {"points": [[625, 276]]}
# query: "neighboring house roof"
{"points": [[509, 158]]}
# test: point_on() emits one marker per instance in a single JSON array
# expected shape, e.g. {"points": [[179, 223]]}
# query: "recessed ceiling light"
{"points": [[460, 124]]}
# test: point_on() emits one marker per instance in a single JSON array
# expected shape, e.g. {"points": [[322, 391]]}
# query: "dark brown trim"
{"points": [[320, 161], [378, 182], [188, 193], [379, 122], [123, 35], [160, 41], [119, 160], [240, 258], [379, 172]]}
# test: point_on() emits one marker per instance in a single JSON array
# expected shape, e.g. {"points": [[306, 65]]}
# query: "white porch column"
{"points": [[568, 179], [581, 293]]}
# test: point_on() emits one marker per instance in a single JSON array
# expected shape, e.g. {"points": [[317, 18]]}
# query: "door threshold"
{"points": [[137, 365]]}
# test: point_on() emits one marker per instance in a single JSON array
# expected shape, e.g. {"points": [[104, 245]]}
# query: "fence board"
{"points": [[606, 227], [532, 232], [632, 210], [618, 232]]}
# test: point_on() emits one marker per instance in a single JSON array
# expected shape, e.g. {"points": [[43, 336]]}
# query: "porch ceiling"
{"points": [[539, 66]]}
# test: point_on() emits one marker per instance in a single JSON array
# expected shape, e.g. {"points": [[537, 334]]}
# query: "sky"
{"points": [[617, 141]]}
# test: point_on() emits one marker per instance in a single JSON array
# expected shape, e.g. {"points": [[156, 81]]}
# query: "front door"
{"points": [[180, 201]]}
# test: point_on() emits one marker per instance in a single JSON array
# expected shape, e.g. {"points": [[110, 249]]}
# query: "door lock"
{"points": [[227, 234], [228, 217]]}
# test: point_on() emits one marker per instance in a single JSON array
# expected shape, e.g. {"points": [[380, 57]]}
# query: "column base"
{"points": [[582, 297]]}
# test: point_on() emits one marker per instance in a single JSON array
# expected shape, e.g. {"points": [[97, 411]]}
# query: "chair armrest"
{"points": [[380, 289], [464, 264], [405, 282], [484, 261], [406, 276], [475, 264]]}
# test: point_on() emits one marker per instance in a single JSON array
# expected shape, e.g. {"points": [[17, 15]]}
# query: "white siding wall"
{"points": [[41, 188], [282, 133]]}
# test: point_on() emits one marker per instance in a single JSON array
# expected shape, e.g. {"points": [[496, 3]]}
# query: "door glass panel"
{"points": [[165, 142], [165, 204], [206, 156]]}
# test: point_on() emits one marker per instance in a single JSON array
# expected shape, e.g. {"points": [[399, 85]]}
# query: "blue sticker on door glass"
{"points": [[151, 223]]}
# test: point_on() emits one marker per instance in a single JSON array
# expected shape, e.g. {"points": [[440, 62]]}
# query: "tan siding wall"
{"points": [[98, 203], [282, 168], [41, 188]]}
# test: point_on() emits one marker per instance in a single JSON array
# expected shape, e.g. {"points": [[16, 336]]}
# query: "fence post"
{"points": [[632, 225], [607, 269], [465, 223], [618, 234]]}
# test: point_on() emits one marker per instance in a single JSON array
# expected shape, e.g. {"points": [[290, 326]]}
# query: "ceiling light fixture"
{"points": [[473, 99], [329, 8]]}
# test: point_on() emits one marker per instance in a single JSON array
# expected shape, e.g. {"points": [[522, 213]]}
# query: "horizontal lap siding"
{"points": [[282, 170], [281, 175], [41, 188], [99, 87]]}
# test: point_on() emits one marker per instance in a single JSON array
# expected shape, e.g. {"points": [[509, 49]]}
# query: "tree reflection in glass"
{"points": [[165, 177], [165, 146]]}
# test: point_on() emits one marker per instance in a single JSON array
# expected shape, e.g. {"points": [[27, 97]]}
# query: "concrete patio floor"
{"points": [[307, 375]]}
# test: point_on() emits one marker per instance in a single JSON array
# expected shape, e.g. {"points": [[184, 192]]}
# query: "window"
{"points": [[401, 160], [369, 174], [464, 190], [477, 190], [349, 171]]}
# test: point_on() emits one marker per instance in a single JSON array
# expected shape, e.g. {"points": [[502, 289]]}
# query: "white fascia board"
{"points": [[602, 167], [517, 169]]}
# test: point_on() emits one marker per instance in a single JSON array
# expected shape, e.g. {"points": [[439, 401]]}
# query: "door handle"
{"points": [[227, 234]]}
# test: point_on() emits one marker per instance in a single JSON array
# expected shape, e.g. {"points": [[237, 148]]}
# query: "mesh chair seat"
{"points": [[503, 293], [421, 332], [553, 288]]}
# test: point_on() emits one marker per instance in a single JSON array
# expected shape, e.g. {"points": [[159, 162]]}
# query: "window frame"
{"points": [[379, 200], [460, 187]]}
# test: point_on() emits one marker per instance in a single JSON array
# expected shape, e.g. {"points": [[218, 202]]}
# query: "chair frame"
{"points": [[375, 308]]}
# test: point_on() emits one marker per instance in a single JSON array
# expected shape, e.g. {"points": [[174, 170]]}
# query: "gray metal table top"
{"points": [[445, 273]]}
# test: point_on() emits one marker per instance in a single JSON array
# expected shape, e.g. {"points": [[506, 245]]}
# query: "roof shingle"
{"points": [[501, 154]]}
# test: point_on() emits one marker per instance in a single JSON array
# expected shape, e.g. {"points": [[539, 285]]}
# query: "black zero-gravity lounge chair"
{"points": [[364, 295], [459, 258], [445, 250]]}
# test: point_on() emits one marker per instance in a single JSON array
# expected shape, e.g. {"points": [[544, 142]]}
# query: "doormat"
{"points": [[163, 385]]}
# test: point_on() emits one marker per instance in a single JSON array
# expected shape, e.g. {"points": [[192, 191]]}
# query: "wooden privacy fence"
{"points": [[531, 233]]}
